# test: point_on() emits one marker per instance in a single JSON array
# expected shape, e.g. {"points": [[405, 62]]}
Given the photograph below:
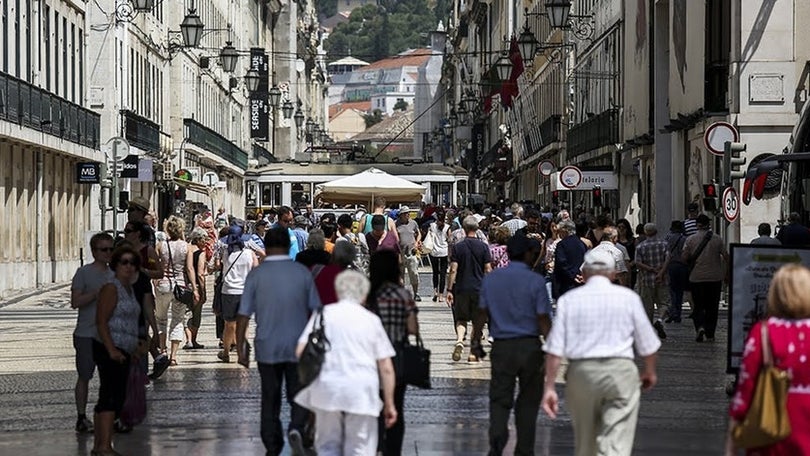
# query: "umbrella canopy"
{"points": [[363, 187]]}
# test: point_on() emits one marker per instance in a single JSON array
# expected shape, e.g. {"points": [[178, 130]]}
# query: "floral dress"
{"points": [[790, 345]]}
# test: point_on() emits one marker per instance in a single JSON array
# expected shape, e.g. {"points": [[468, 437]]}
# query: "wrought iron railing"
{"points": [[600, 130], [30, 106], [202, 136], [140, 131]]}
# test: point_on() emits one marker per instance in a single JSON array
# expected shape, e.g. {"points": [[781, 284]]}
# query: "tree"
{"points": [[326, 8], [373, 119], [401, 105]]}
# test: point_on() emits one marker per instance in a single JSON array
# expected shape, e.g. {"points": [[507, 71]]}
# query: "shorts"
{"points": [[85, 365], [230, 306], [465, 306]]}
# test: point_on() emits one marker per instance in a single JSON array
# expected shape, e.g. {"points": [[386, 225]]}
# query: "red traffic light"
{"points": [[709, 191]]}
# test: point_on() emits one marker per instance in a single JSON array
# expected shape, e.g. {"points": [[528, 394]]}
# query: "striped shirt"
{"points": [[689, 226]]}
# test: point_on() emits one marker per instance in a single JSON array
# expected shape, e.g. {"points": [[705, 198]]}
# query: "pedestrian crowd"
{"points": [[551, 289]]}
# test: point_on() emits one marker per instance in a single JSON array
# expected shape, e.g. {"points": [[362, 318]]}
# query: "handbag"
{"points": [[428, 245], [181, 293], [134, 409], [311, 360], [415, 364], [767, 420]]}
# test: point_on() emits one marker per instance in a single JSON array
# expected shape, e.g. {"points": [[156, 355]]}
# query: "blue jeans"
{"points": [[678, 280]]}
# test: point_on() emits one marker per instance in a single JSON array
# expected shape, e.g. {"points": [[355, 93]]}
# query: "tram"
{"points": [[294, 184]]}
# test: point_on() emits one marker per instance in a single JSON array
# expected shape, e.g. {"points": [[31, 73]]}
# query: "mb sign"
{"points": [[88, 173]]}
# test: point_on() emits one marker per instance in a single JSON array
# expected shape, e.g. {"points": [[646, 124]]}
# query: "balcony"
{"points": [[550, 130], [140, 131], [202, 136], [27, 105], [600, 130], [263, 155]]}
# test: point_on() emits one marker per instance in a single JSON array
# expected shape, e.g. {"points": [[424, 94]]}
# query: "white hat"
{"points": [[404, 209], [599, 258]]}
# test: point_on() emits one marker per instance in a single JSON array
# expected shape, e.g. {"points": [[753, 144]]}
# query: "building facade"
{"points": [[83, 83]]}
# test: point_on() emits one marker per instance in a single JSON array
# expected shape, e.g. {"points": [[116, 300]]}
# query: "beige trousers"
{"points": [[603, 398], [652, 297]]}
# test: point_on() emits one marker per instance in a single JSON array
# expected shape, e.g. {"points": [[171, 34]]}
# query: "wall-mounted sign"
{"points": [[259, 120], [129, 166], [183, 174], [565, 180], [88, 172]]}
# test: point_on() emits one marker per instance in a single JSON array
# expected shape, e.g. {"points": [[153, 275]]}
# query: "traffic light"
{"points": [[555, 198], [123, 200], [710, 197], [179, 193], [732, 162], [597, 195]]}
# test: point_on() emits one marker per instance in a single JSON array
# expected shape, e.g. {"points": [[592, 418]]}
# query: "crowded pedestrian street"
{"points": [[205, 407]]}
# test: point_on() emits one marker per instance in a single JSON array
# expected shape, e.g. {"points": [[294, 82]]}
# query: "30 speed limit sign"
{"points": [[731, 204]]}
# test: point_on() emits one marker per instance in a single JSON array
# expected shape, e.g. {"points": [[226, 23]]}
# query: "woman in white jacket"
{"points": [[346, 395]]}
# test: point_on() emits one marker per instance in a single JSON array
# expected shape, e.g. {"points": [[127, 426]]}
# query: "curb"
{"points": [[30, 292]]}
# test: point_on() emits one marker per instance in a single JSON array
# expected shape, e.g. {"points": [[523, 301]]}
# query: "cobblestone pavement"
{"points": [[203, 406]]}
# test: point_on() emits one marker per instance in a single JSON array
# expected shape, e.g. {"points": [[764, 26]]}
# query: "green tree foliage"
{"points": [[401, 105], [326, 8], [373, 119], [375, 32]]}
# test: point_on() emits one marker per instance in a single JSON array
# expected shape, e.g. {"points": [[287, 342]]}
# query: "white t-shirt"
{"points": [[349, 380], [439, 240], [234, 282]]}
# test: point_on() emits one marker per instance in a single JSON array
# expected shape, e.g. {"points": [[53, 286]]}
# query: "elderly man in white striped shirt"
{"points": [[596, 328]]}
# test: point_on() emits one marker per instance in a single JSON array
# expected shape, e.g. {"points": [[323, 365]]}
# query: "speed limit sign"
{"points": [[731, 204]]}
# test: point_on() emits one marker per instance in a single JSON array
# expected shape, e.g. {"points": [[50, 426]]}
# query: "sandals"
{"points": [[224, 357], [172, 362]]}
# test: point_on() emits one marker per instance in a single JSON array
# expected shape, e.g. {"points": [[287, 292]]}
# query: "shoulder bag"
{"points": [[311, 360], [415, 364], [217, 301], [181, 293], [767, 420], [428, 245], [692, 260]]}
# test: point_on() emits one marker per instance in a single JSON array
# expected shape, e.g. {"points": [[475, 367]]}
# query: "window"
{"points": [[73, 62], [5, 35], [56, 52], [46, 32], [29, 43], [17, 40], [65, 69], [81, 67]]}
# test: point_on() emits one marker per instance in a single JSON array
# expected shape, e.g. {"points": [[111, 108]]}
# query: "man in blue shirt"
{"points": [[285, 220], [518, 306], [282, 295]]}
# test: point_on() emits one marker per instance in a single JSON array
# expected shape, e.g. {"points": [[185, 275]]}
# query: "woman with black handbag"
{"points": [[397, 311], [170, 311]]}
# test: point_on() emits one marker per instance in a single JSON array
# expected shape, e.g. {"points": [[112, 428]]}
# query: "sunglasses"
{"points": [[128, 262], [105, 249]]}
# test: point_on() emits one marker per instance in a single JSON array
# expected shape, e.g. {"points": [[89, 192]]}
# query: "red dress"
{"points": [[790, 344]]}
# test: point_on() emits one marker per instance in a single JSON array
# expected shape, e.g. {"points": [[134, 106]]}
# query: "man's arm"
{"points": [[550, 400], [451, 282], [648, 375]]}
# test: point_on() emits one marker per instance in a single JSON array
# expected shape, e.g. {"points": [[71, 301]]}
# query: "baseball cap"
{"points": [[300, 220], [599, 258], [139, 203]]}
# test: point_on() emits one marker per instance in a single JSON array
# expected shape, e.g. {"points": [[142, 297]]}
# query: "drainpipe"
{"points": [[38, 250]]}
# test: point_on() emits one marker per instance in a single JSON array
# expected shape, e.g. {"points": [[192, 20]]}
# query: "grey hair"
{"points": [[469, 224], [352, 286], [650, 229], [567, 226], [197, 234], [344, 253], [598, 269], [316, 239]]}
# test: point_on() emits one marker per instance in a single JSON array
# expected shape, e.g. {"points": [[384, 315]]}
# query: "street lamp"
{"points": [[448, 129], [287, 109], [252, 80], [527, 44], [504, 67], [558, 11], [311, 126], [144, 5], [192, 28], [274, 96], [299, 118], [228, 56]]}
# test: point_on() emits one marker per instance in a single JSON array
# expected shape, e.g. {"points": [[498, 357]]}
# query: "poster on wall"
{"points": [[752, 268]]}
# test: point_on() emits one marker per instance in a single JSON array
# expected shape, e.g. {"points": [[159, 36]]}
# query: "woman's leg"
{"points": [[228, 338], [113, 378], [176, 326], [442, 273], [162, 303]]}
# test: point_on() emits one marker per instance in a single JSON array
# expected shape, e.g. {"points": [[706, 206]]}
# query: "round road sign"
{"points": [[731, 204], [545, 168], [716, 136], [570, 177]]}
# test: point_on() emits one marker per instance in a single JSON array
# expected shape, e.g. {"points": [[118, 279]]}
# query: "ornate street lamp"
{"points": [[558, 12], [144, 5], [228, 56], [311, 126], [252, 80], [469, 102], [192, 28], [299, 118], [448, 129], [527, 44], [287, 109], [453, 119], [504, 67], [274, 95]]}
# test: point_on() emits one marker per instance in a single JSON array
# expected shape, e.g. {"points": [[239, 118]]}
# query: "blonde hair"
{"points": [[788, 297], [175, 227]]}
